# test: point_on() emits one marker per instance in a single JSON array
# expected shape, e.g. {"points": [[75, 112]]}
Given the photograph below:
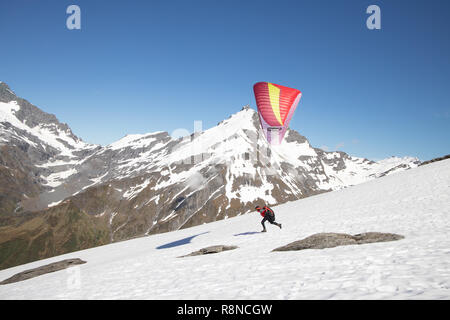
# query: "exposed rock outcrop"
{"points": [[52, 267], [209, 250], [331, 240], [435, 159]]}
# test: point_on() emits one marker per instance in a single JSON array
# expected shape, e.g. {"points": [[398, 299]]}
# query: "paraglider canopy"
{"points": [[276, 105]]}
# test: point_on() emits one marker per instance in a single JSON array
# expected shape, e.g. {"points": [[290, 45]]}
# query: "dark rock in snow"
{"points": [[331, 240], [435, 159], [209, 250], [52, 267]]}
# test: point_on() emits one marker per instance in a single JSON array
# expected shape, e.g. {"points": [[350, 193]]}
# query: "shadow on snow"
{"points": [[180, 242], [246, 233]]}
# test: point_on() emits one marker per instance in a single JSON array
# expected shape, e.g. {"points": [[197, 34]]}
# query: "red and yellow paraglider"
{"points": [[276, 105]]}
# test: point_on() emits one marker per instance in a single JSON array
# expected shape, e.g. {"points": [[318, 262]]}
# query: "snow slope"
{"points": [[414, 203]]}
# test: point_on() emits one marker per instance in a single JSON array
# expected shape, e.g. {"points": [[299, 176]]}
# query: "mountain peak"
{"points": [[24, 122], [6, 94]]}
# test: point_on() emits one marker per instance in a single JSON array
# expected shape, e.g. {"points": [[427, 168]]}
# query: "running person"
{"points": [[268, 215]]}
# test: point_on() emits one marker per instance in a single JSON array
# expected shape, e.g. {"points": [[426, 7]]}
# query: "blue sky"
{"points": [[143, 66]]}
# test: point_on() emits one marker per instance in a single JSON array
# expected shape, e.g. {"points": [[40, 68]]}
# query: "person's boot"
{"points": [[279, 225], [264, 230]]}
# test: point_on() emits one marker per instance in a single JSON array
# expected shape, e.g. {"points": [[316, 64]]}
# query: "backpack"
{"points": [[269, 211]]}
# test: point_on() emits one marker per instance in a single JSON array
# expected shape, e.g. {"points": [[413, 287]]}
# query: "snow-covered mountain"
{"points": [[24, 124], [414, 203], [151, 183], [30, 137]]}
